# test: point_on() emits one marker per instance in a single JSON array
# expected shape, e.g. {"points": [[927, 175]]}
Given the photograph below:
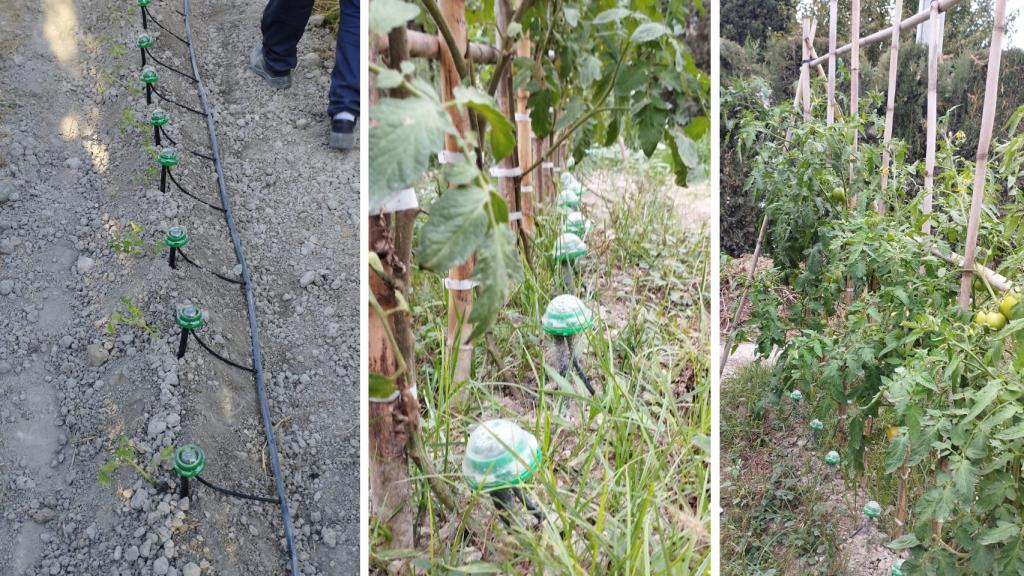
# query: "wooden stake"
{"points": [[931, 121], [988, 115], [460, 300], [805, 69], [743, 299], [525, 144], [503, 94], [890, 105]]}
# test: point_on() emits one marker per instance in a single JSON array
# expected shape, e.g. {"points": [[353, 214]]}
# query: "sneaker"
{"points": [[278, 80], [343, 134]]}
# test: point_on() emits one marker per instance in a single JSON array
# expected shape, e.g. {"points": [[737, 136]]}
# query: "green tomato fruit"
{"points": [[838, 195], [1009, 306]]}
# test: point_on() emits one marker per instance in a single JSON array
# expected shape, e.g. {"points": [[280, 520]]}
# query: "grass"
{"points": [[776, 518], [624, 481]]}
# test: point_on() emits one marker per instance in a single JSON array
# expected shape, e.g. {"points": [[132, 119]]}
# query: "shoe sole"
{"points": [[256, 65], [342, 141]]}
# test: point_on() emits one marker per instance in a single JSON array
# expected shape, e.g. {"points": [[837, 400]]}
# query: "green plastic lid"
{"points": [[832, 458], [796, 395], [568, 199], [149, 75], [567, 180], [576, 223], [189, 461], [500, 454], [144, 3], [897, 569], [145, 40], [168, 157], [176, 237], [158, 117], [190, 317], [817, 425], [569, 246], [873, 510], [566, 315]]}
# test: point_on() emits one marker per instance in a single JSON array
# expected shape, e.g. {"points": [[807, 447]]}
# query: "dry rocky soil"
{"points": [[75, 173]]}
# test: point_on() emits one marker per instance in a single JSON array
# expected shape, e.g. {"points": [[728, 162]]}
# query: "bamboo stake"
{"points": [[881, 35], [833, 23], [460, 300], [743, 299], [981, 162], [506, 185], [931, 122], [805, 69], [890, 104], [525, 144], [428, 46]]}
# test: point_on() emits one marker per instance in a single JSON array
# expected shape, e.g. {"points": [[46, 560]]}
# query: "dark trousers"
{"points": [[283, 23]]}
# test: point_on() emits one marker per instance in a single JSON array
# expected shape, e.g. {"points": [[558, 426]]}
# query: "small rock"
{"points": [[73, 163], [97, 354], [191, 569], [84, 264], [330, 537], [6, 287], [309, 60], [302, 123], [161, 566], [156, 427], [139, 501], [307, 278], [132, 554], [172, 420], [314, 20]]}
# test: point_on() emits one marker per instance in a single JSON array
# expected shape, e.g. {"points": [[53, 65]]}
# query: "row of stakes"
{"points": [[872, 510], [189, 460], [500, 455]]}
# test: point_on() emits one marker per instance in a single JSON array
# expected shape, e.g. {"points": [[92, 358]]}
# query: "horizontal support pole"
{"points": [[996, 280], [423, 45], [886, 33]]}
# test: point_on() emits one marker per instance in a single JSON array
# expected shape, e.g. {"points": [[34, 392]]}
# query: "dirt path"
{"points": [[74, 173]]}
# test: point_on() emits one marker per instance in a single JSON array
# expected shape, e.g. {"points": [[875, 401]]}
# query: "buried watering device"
{"points": [[500, 458], [565, 317], [569, 248], [158, 119], [168, 159], [568, 200], [175, 239], [897, 569], [578, 224], [190, 318], [816, 427], [149, 78], [189, 462], [872, 512], [144, 42]]}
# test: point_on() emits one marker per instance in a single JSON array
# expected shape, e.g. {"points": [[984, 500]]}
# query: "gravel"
{"points": [[74, 173]]}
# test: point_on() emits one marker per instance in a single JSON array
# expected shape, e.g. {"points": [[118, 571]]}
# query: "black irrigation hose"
{"points": [[189, 150], [191, 195], [219, 357], [164, 28], [175, 102], [231, 492], [168, 66], [221, 276], [250, 301]]}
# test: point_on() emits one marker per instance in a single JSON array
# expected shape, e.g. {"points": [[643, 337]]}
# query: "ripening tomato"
{"points": [[838, 195], [1009, 306], [992, 320]]}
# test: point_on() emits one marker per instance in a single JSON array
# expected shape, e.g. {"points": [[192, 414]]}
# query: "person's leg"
{"points": [[344, 97], [345, 77], [283, 23]]}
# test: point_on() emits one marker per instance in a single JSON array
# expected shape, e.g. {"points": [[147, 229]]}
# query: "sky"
{"points": [[1016, 37]]}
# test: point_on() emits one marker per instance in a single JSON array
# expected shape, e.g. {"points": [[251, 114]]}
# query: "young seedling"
{"points": [[175, 239], [190, 318], [189, 462], [149, 78], [144, 42], [569, 248], [565, 317], [128, 241], [168, 159], [500, 458], [124, 455], [158, 119], [576, 223], [136, 318]]}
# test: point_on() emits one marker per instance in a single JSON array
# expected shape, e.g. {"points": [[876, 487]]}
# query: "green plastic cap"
{"points": [[832, 458], [796, 395], [873, 510], [567, 180], [176, 237], [158, 117], [569, 246], [168, 157], [576, 223], [144, 3], [897, 569], [145, 40], [189, 461], [817, 425], [567, 315], [568, 199], [500, 454], [190, 317], [149, 75]]}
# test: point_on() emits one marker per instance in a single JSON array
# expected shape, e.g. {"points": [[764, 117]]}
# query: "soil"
{"points": [[74, 173]]}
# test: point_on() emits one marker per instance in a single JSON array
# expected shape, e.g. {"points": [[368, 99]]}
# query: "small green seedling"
{"points": [[125, 455], [136, 318], [128, 241]]}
